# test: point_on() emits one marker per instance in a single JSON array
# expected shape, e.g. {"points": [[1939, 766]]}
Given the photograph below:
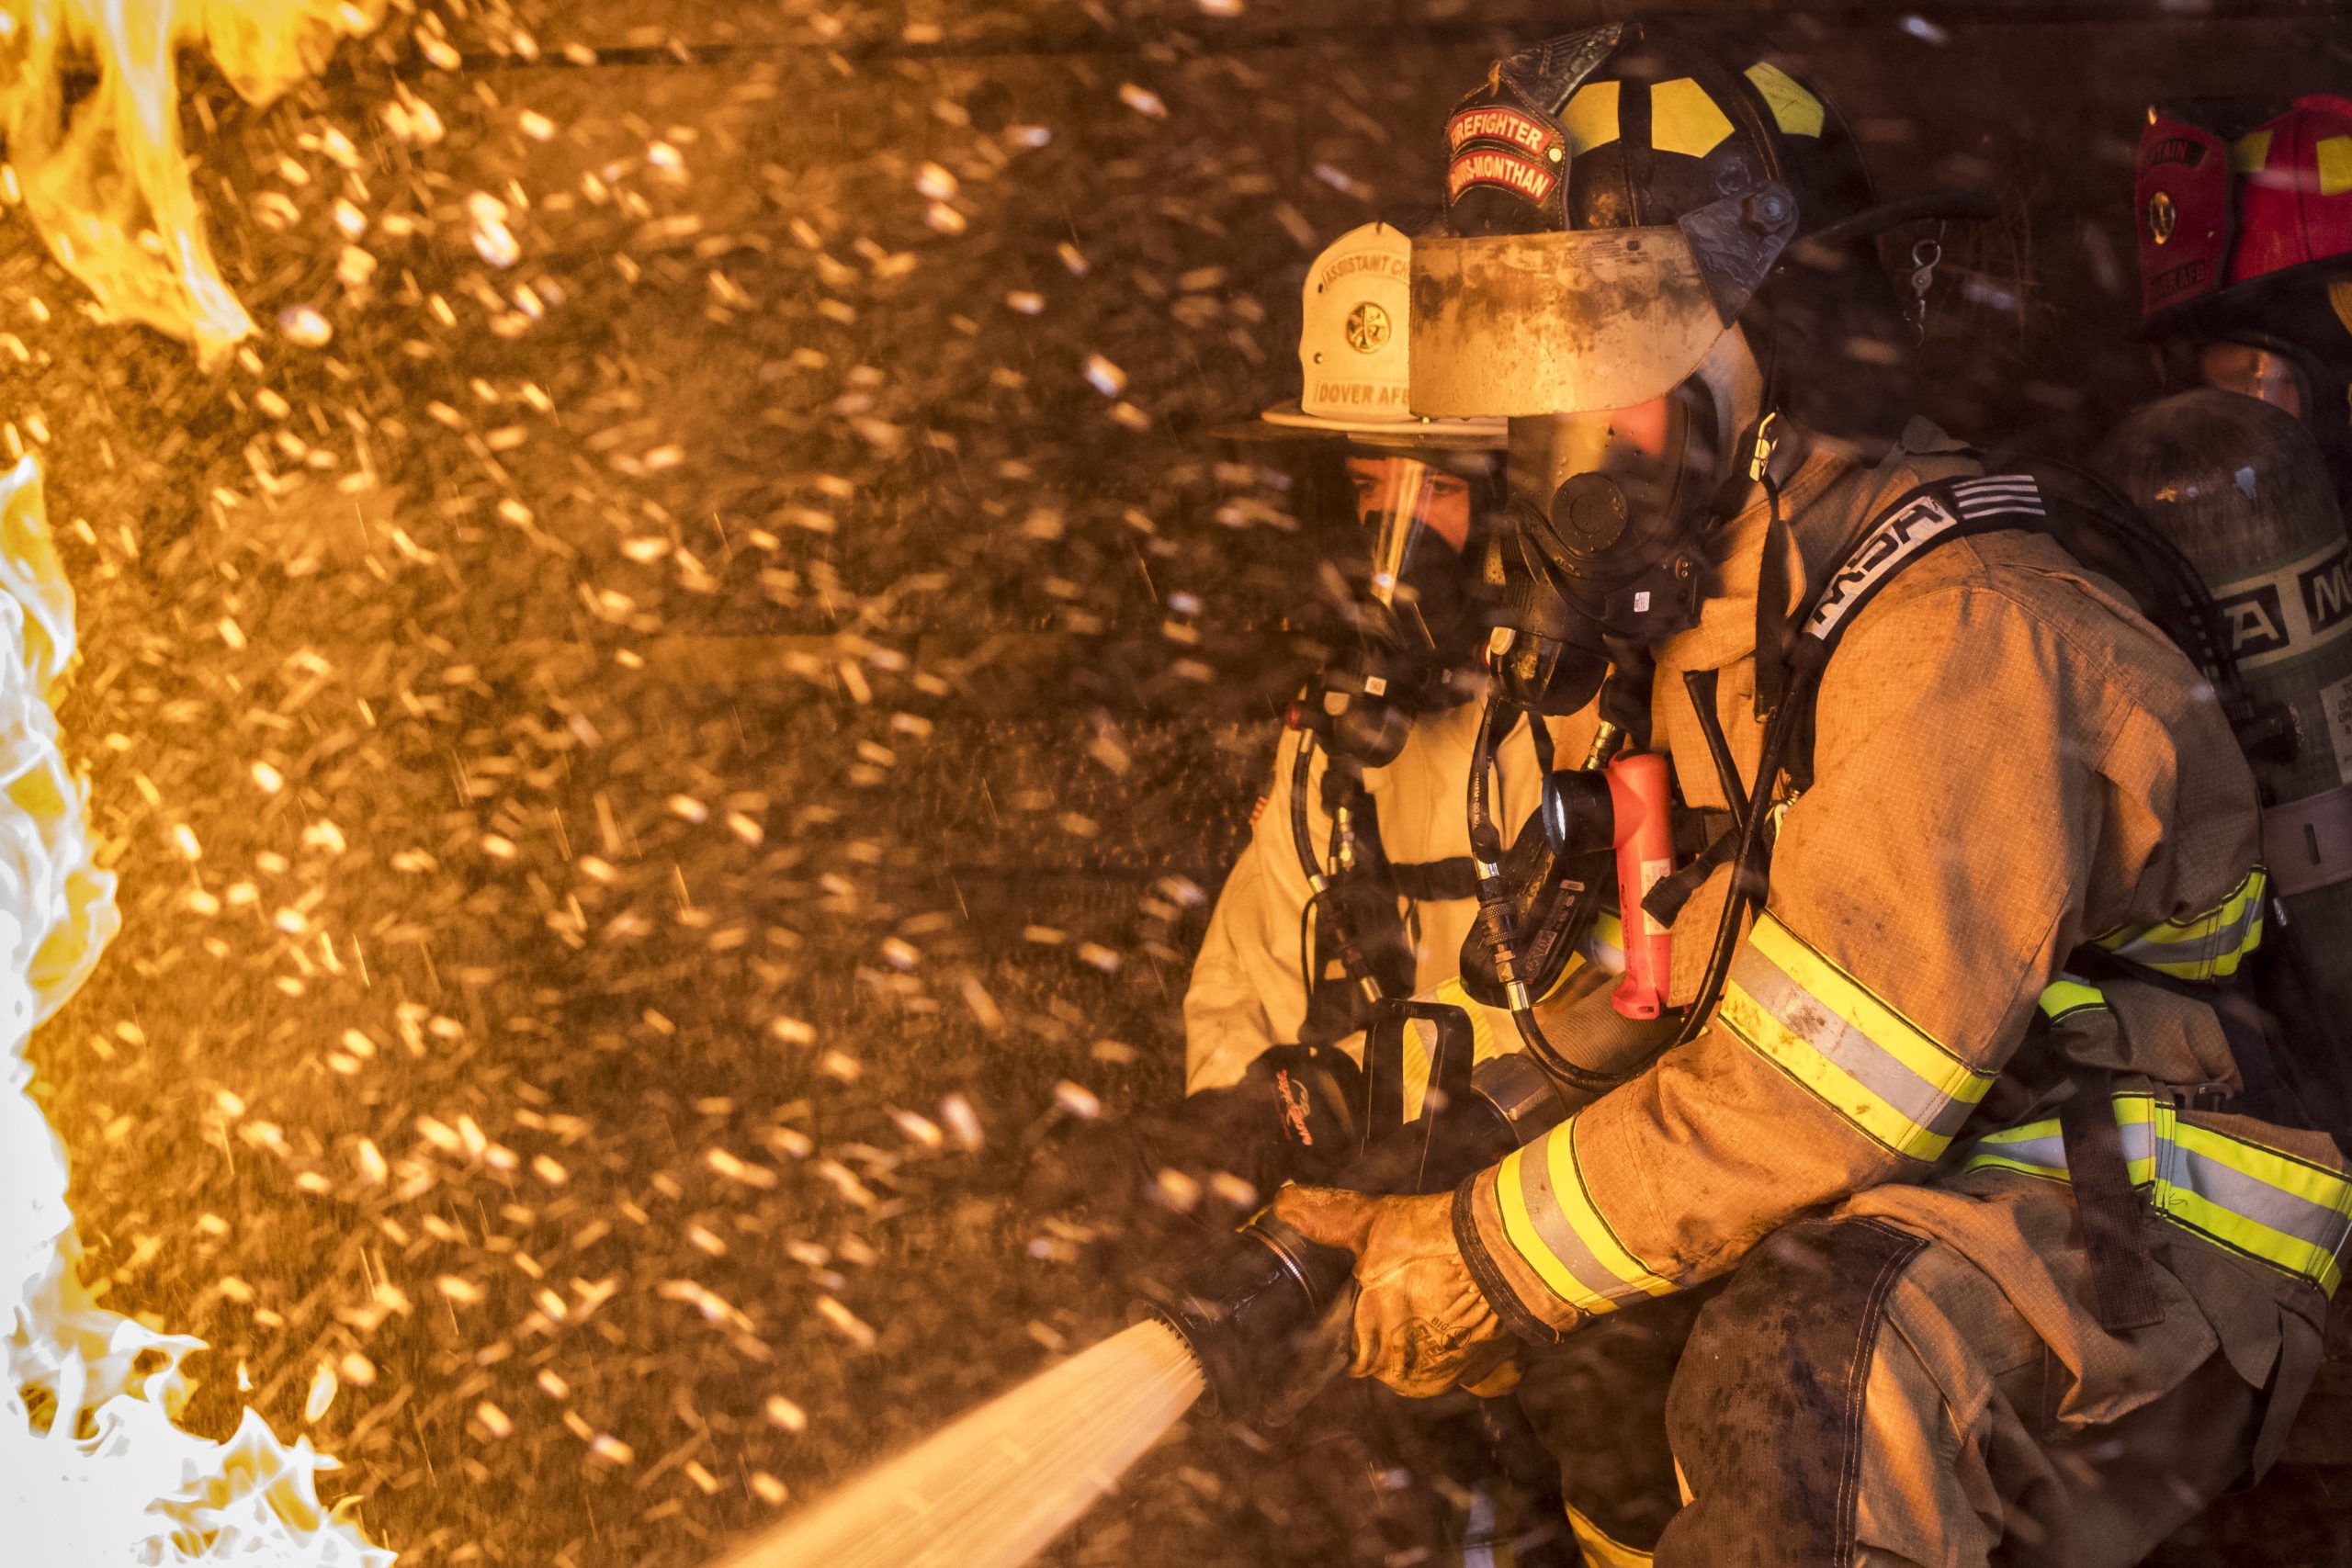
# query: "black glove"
{"points": [[1296, 1115]]}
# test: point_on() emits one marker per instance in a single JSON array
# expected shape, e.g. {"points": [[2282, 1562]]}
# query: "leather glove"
{"points": [[1295, 1113], [1421, 1322]]}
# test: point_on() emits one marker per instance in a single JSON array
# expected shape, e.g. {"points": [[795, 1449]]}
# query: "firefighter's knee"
{"points": [[1765, 1415]]}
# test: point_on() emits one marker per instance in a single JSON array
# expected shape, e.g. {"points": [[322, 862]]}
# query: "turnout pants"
{"points": [[1860, 1395]]}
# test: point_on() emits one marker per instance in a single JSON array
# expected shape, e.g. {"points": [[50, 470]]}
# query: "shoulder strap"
{"points": [[1916, 524]]}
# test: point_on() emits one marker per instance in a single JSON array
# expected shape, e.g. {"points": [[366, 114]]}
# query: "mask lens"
{"points": [[1393, 507]]}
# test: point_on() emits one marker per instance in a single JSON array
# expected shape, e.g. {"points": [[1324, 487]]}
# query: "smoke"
{"points": [[104, 178]]}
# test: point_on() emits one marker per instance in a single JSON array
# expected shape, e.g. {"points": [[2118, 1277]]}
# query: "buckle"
{"points": [[2213, 1095]]}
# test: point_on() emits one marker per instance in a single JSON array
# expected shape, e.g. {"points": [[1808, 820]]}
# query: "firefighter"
{"points": [[2242, 211], [1356, 882], [1377, 899], [2244, 218], [2016, 1260]]}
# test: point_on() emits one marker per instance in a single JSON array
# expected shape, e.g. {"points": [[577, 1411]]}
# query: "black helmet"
{"points": [[1648, 214], [1641, 187]]}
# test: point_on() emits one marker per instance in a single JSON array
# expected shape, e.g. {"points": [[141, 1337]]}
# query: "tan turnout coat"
{"points": [[2009, 763]]}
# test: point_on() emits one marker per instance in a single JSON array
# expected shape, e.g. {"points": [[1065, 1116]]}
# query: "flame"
{"points": [[107, 183], [93, 1472]]}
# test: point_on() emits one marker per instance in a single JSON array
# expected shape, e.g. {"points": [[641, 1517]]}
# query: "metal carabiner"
{"points": [[1925, 256]]}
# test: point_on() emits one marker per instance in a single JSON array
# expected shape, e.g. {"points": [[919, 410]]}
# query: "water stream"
{"points": [[992, 1489]]}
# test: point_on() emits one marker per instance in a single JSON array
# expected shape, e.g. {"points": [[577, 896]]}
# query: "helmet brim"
{"points": [[1289, 422], [1579, 321]]}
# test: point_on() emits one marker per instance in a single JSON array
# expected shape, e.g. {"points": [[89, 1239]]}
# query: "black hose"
{"points": [[1302, 843], [1701, 685], [1747, 877]]}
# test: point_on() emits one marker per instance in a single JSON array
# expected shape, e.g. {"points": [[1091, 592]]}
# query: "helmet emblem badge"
{"points": [[2162, 216], [1368, 328]]}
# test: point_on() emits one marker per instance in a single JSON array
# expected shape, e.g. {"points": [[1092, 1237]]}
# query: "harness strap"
{"points": [[1431, 881], [1915, 523], [2307, 843], [1669, 894]]}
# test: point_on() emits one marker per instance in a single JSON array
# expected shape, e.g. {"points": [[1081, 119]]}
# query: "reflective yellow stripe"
{"points": [[2254, 1200], [1606, 945], [2037, 1148], [1604, 948], [2280, 1250], [2209, 946], [2333, 156], [1591, 118], [2066, 996], [1684, 119], [1601, 1549], [1861, 1008], [1794, 109], [1550, 1220], [2132, 1112], [2288, 1212], [1990, 1160], [1577, 1207], [1832, 1035]]}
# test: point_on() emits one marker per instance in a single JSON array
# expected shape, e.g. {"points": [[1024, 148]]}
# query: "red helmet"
{"points": [[2225, 203]]}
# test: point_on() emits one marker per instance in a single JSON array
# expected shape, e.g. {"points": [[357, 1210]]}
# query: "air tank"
{"points": [[2243, 489]]}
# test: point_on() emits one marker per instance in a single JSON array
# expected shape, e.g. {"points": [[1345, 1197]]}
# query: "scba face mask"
{"points": [[1603, 542], [1615, 505], [1416, 620]]}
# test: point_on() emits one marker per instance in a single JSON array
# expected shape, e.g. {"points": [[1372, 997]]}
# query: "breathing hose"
{"points": [[1497, 932], [1332, 918]]}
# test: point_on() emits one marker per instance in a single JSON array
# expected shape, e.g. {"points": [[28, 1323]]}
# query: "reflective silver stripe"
{"points": [[2041, 1144], [2017, 493], [2152, 950], [2260, 1201], [2206, 945], [1548, 1213]]}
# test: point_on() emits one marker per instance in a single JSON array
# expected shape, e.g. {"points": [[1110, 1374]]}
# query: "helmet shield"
{"points": [[1570, 322], [1585, 319]]}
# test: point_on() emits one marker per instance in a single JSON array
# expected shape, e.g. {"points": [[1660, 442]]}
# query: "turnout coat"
{"points": [[2011, 766]]}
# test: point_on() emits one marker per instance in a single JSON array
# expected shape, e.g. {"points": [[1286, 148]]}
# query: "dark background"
{"points": [[814, 642]]}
